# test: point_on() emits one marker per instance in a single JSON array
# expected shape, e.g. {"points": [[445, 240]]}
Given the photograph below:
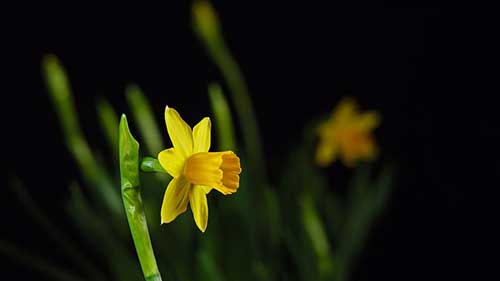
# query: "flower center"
{"points": [[219, 170]]}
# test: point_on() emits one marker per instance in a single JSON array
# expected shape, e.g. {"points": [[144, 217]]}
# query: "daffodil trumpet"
{"points": [[194, 169]]}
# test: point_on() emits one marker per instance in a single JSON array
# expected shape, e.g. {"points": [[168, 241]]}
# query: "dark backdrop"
{"points": [[413, 65]]}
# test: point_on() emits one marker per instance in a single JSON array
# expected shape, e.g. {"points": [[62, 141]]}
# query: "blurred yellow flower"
{"points": [[347, 135], [195, 171]]}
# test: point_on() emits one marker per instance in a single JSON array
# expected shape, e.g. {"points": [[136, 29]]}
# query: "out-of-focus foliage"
{"points": [[298, 228]]}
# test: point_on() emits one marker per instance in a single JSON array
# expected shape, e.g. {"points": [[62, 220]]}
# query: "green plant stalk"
{"points": [[60, 93], [151, 165], [37, 263], [67, 246], [315, 229], [207, 27], [132, 201], [223, 118], [144, 118], [108, 120]]}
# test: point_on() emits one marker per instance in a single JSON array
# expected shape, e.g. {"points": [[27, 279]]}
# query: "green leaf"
{"points": [[108, 120], [205, 23], [132, 201], [145, 119], [62, 100], [223, 118], [314, 227], [60, 93]]}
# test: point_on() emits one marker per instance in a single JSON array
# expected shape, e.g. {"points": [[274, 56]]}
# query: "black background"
{"points": [[418, 67]]}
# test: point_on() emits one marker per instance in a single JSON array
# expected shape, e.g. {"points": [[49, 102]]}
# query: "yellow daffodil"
{"points": [[195, 171], [347, 135]]}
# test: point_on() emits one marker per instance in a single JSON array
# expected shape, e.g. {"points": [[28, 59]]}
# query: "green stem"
{"points": [[132, 201], [151, 165]]}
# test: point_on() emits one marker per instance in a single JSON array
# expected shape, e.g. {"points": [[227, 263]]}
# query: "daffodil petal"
{"points": [[207, 189], [171, 161], [326, 130], [179, 132], [199, 207], [345, 110], [326, 153], [201, 136], [369, 148], [368, 121], [363, 148], [175, 200]]}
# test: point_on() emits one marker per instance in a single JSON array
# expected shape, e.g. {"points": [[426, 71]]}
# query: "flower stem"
{"points": [[132, 201]]}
